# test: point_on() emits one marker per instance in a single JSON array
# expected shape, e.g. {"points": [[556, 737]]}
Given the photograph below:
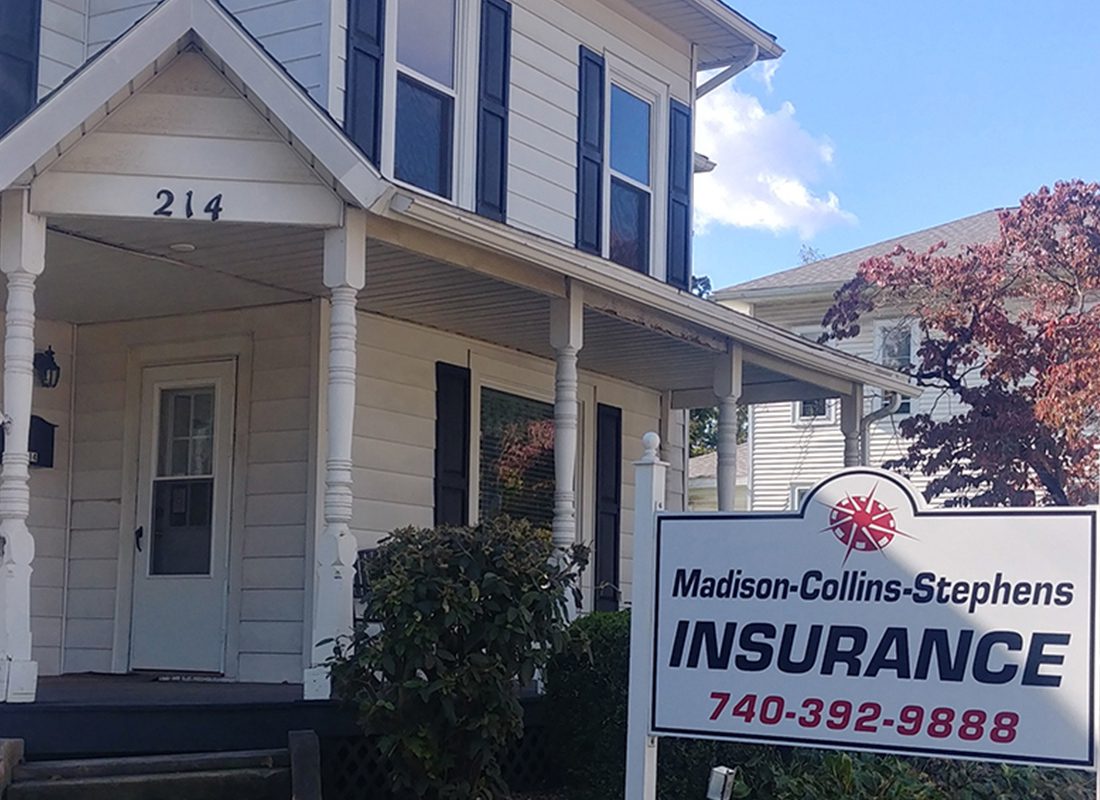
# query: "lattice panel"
{"points": [[353, 769]]}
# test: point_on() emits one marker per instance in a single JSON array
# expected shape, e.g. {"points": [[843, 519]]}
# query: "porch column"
{"points": [[851, 413], [345, 264], [22, 259], [727, 388], [566, 337]]}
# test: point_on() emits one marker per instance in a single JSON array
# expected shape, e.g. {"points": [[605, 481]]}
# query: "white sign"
{"points": [[865, 621]]}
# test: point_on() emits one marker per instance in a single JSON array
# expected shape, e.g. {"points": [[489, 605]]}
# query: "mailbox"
{"points": [[41, 441]]}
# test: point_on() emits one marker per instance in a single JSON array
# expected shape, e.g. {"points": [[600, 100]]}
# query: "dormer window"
{"points": [[423, 152]]}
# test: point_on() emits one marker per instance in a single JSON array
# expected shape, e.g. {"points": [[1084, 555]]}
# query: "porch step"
{"points": [[227, 784], [150, 765], [242, 775]]}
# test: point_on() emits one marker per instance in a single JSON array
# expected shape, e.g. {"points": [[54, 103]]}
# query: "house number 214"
{"points": [[167, 199]]}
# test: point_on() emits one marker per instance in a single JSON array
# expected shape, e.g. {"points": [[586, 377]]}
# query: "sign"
{"points": [[866, 622]]}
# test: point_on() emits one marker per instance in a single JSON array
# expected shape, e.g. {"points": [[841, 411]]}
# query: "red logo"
{"points": [[863, 524]]}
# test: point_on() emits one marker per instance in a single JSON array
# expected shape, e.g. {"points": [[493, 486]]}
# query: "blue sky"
{"points": [[887, 117]]}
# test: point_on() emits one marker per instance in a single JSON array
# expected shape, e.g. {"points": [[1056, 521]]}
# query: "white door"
{"points": [[181, 545]]}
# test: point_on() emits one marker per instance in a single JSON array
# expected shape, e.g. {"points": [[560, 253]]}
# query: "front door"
{"points": [[183, 506]]}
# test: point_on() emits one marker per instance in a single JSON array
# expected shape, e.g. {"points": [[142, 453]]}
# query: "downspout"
{"points": [[893, 403], [737, 66]]}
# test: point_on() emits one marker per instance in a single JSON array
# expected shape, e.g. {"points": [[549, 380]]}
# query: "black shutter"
{"points": [[609, 461], [452, 444], [19, 34], [590, 153], [363, 93], [681, 159], [492, 109]]}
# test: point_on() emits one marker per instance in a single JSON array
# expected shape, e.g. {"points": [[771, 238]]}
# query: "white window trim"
{"points": [[881, 326], [796, 487], [657, 93], [464, 133], [811, 332]]}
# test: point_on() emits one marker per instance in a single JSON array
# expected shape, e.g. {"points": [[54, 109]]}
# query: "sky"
{"points": [[884, 117]]}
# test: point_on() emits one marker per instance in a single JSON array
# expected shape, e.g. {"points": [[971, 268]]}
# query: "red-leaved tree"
{"points": [[1010, 331]]}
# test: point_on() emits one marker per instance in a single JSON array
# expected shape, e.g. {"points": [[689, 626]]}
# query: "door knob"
{"points": [[140, 532]]}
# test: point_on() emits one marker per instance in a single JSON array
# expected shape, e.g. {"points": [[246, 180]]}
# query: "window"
{"points": [[896, 351], [630, 180], [516, 458], [809, 410], [798, 494], [425, 103]]}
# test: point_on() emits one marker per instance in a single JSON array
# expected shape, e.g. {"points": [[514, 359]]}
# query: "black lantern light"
{"points": [[47, 369]]}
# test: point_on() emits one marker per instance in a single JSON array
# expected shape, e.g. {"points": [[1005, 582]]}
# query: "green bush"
{"points": [[456, 617], [588, 694]]}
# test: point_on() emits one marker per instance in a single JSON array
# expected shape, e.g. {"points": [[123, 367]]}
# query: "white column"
{"points": [[851, 413], [22, 259], [649, 496], [567, 338], [727, 388], [345, 262]]}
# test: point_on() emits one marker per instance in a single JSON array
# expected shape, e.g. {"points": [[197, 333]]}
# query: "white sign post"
{"points": [[865, 621]]}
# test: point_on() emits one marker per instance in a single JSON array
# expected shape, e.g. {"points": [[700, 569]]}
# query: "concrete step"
{"points": [[250, 783], [150, 765]]}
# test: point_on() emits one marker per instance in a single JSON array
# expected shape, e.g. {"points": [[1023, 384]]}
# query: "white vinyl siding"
{"points": [[394, 447], [277, 511], [293, 31], [546, 40], [61, 45]]}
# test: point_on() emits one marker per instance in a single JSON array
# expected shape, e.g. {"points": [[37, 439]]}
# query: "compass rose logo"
{"points": [[862, 523]]}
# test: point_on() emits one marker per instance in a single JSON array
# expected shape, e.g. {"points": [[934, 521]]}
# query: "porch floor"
{"points": [[148, 689], [117, 715]]}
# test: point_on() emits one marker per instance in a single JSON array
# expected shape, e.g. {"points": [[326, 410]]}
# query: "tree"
{"points": [[703, 429], [1010, 330], [808, 254]]}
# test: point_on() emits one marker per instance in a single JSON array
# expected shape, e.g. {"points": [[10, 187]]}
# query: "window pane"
{"points": [[629, 226], [181, 527], [186, 432], [629, 135], [423, 144], [897, 347], [426, 38], [516, 457], [809, 409]]}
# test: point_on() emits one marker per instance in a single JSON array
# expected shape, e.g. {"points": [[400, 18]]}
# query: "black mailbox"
{"points": [[40, 445]]}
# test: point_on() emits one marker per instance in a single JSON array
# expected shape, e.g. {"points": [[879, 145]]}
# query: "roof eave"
{"points": [[806, 290]]}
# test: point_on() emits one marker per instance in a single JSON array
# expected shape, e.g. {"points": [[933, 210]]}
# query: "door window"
{"points": [[183, 488]]}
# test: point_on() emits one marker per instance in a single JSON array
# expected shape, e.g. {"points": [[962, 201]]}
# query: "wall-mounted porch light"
{"points": [[47, 369]]}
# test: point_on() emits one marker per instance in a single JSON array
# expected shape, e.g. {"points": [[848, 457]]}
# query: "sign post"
{"points": [[649, 500], [865, 621]]}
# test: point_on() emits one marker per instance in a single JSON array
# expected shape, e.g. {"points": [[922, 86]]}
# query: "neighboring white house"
{"points": [[793, 446], [312, 270]]}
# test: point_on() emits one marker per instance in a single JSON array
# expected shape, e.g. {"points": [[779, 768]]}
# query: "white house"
{"points": [[794, 445], [312, 270]]}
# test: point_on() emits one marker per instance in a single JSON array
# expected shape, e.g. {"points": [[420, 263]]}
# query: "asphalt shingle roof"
{"points": [[835, 270]]}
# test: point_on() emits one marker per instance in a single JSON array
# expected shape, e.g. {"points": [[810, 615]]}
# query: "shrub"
{"points": [[589, 691], [456, 616]]}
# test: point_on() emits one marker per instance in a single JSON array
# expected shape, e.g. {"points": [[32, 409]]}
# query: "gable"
{"points": [[189, 129]]}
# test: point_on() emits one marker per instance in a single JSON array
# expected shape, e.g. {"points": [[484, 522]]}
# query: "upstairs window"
{"points": [[425, 103], [630, 201], [896, 352], [19, 35]]}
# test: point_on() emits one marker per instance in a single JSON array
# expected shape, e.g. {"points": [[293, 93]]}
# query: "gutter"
{"points": [[870, 419], [729, 72]]}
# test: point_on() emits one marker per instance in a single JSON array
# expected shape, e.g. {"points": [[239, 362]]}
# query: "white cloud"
{"points": [[767, 164]]}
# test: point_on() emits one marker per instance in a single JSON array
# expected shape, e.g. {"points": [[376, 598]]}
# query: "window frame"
{"points": [[796, 488], [620, 72], [464, 96], [907, 407]]}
